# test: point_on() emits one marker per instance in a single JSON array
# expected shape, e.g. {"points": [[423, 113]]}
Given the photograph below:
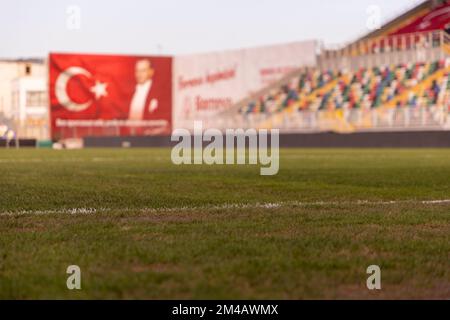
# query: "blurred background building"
{"points": [[23, 97]]}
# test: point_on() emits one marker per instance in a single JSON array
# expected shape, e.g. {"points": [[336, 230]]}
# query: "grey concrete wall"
{"points": [[413, 139]]}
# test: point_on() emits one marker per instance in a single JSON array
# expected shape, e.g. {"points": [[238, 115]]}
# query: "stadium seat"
{"points": [[413, 85]]}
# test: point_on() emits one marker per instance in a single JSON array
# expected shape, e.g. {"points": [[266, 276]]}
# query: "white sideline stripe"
{"points": [[78, 159], [87, 211]]}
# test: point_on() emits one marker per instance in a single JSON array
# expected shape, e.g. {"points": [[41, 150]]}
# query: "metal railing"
{"points": [[404, 48], [354, 120]]}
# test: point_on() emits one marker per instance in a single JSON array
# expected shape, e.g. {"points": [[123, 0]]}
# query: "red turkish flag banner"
{"points": [[106, 95]]}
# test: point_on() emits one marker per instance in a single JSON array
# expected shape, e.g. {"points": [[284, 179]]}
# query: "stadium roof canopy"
{"points": [[427, 16]]}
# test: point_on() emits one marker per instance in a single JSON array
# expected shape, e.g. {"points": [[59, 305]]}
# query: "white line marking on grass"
{"points": [[75, 159], [69, 211], [270, 205]]}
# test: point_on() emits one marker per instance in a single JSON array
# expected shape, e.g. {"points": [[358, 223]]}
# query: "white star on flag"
{"points": [[99, 89]]}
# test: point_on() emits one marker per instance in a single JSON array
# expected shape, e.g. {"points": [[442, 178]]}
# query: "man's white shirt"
{"points": [[138, 102]]}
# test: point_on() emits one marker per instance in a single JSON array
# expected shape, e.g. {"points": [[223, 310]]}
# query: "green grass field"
{"points": [[140, 227]]}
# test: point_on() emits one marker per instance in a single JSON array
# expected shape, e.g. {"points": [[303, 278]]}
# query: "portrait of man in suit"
{"points": [[142, 103]]}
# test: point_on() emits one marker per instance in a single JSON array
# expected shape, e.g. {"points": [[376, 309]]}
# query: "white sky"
{"points": [[32, 28]]}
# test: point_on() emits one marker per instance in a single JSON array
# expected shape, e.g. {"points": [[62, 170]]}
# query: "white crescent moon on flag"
{"points": [[61, 89]]}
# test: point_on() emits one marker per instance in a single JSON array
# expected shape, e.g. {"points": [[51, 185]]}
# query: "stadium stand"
{"points": [[403, 66], [418, 84], [381, 90]]}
